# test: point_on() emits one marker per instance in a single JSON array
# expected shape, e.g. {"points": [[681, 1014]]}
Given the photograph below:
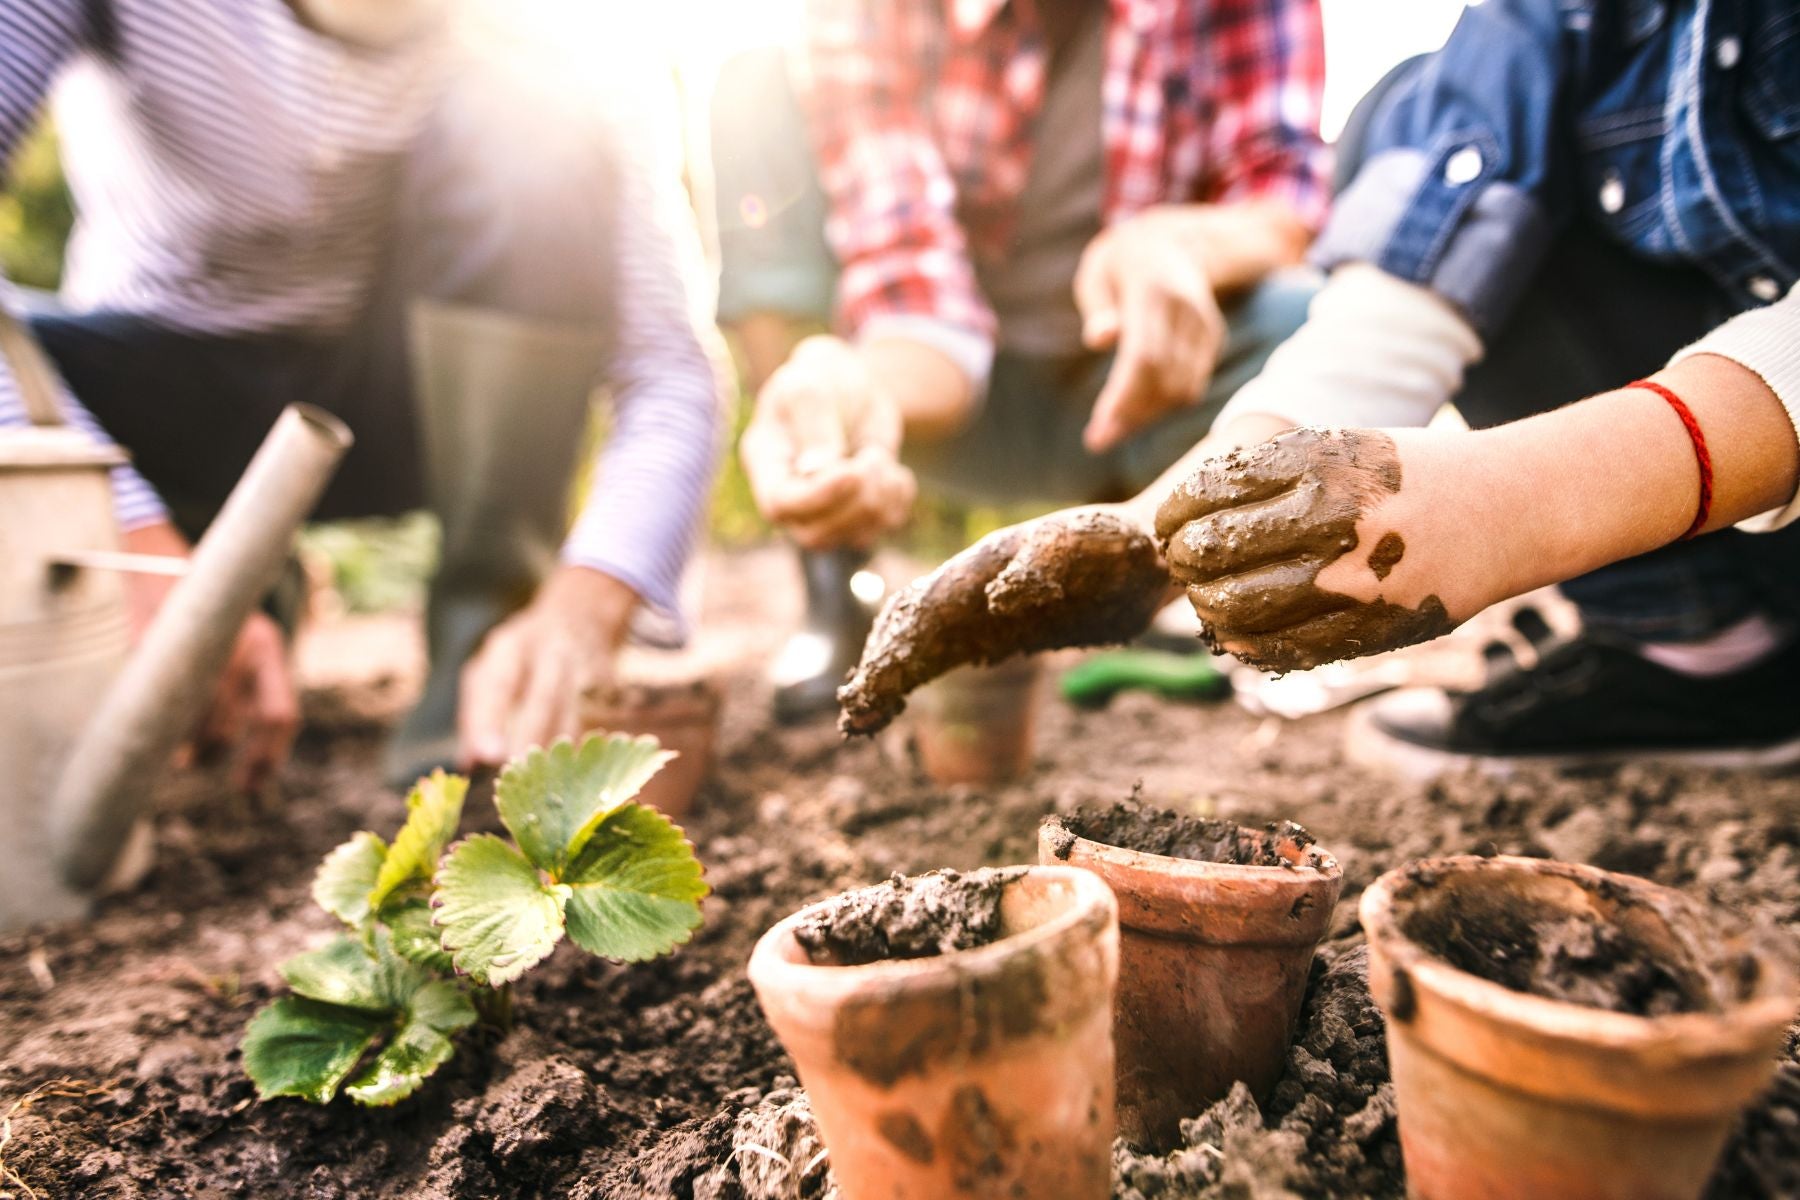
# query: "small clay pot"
{"points": [[978, 1073], [1213, 963], [684, 718], [1507, 1095], [976, 724]]}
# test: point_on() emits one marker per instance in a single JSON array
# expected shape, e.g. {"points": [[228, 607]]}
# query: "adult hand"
{"points": [[822, 449], [1144, 293], [1329, 544], [254, 712], [1082, 577], [538, 671]]}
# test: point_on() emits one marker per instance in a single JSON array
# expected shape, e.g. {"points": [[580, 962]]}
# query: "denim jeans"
{"points": [[502, 204], [1594, 317], [1025, 442]]}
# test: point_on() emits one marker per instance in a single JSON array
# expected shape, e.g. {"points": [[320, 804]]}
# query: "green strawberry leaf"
{"points": [[415, 937], [341, 972], [300, 1047], [635, 891], [402, 1067], [443, 1006], [348, 972], [420, 1047], [496, 916], [433, 811], [552, 800], [347, 876]]}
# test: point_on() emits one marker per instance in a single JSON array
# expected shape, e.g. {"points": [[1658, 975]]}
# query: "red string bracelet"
{"points": [[1701, 454]]}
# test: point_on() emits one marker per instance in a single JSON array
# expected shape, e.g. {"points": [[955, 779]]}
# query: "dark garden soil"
{"points": [[907, 917], [118, 1040], [1150, 830], [1574, 959]]}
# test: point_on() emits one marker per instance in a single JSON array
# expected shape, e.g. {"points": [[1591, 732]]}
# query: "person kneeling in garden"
{"points": [[1038, 295], [443, 226]]}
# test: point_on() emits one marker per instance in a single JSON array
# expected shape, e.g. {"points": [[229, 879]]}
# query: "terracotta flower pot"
{"points": [[976, 724], [985, 1072], [1509, 1095], [1213, 963], [684, 718]]}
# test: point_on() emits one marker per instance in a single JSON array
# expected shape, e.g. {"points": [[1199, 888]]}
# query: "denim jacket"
{"points": [[1671, 125]]}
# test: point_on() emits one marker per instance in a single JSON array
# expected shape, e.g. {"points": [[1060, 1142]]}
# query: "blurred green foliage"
{"points": [[35, 216], [377, 565]]}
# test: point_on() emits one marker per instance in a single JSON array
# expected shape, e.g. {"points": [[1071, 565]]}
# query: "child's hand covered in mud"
{"points": [[1083, 577], [1322, 545]]}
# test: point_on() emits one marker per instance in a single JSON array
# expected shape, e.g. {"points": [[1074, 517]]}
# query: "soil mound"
{"points": [[1575, 959], [921, 917], [1149, 830]]}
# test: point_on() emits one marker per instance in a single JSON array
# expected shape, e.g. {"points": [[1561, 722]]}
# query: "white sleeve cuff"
{"points": [[1375, 352], [1765, 341]]}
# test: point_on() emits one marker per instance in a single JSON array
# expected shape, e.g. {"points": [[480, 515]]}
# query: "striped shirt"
{"points": [[234, 174]]}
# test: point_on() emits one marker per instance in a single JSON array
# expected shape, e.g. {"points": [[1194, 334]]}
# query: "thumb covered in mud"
{"points": [[1031, 577]]}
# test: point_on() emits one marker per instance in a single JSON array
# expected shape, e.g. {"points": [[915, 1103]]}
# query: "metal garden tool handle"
{"points": [[169, 677], [30, 366]]}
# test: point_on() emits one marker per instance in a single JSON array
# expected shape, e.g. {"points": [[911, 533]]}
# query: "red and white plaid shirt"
{"points": [[923, 116]]}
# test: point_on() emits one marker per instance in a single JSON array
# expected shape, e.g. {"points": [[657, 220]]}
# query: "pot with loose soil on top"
{"points": [[1218, 924], [953, 1032], [977, 724], [1558, 1030]]}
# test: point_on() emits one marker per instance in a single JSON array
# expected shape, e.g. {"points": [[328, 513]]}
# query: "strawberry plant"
{"points": [[434, 939]]}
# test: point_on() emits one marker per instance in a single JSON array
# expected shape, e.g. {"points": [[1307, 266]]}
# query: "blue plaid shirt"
{"points": [[1671, 125]]}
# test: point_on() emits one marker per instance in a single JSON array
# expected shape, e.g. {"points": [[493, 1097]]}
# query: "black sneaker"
{"points": [[1585, 702]]}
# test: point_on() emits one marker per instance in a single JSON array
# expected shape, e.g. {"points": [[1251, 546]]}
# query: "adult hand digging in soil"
{"points": [[1084, 577]]}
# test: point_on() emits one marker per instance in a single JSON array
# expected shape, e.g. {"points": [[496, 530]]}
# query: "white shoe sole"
{"points": [[1368, 746]]}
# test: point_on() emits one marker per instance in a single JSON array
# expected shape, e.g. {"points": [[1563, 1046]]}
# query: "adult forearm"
{"points": [[935, 396], [1237, 245]]}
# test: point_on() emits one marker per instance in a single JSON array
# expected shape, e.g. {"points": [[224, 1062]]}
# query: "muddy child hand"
{"points": [[1084, 577], [1290, 550]]}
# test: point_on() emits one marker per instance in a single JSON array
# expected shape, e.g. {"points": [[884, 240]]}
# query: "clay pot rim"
{"points": [[772, 967], [694, 703], [1190, 868], [1739, 1028], [1206, 903]]}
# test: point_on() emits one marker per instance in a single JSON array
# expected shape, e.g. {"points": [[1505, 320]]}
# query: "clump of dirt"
{"points": [[927, 915], [1149, 830], [1569, 957]]}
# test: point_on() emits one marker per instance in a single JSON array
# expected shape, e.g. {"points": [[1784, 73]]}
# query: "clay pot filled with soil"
{"points": [[684, 717], [953, 1031], [1558, 1030], [977, 724], [1218, 923]]}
